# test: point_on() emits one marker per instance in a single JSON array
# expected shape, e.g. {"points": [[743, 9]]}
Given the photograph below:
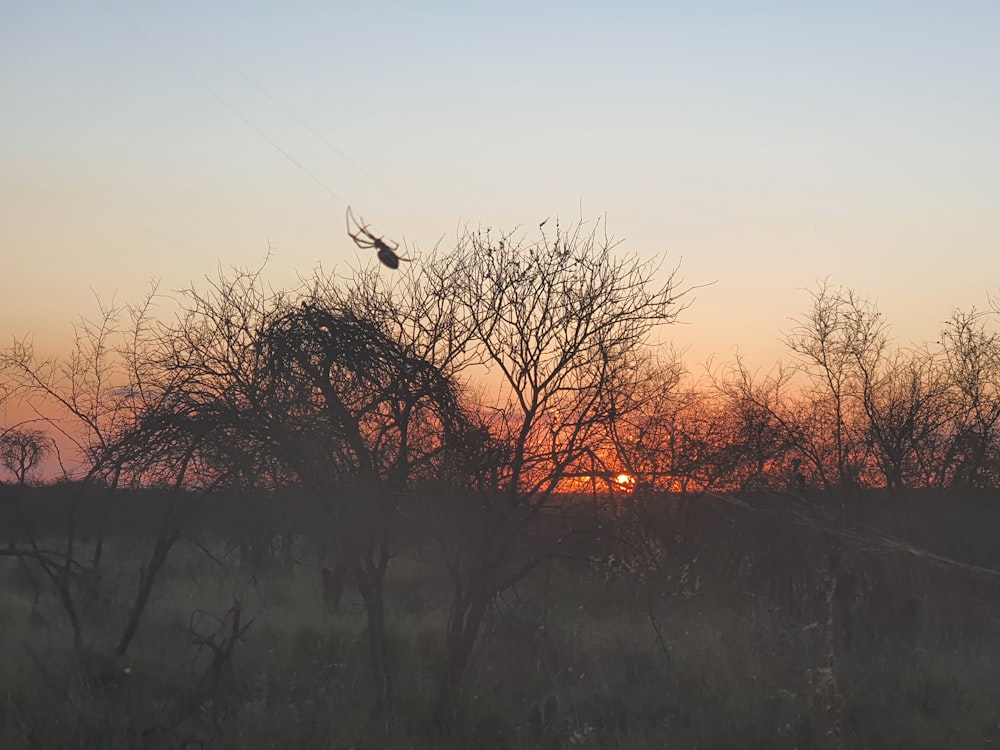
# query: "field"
{"points": [[764, 621]]}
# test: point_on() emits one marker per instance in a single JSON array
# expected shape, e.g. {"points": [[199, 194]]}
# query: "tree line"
{"points": [[469, 399], [852, 407]]}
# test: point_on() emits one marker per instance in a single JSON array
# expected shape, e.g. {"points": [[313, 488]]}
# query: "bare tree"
{"points": [[247, 386], [357, 415], [642, 421], [81, 397], [78, 394], [178, 418], [695, 430], [971, 362], [763, 430], [89, 396], [555, 322], [22, 451], [841, 333], [906, 402]]}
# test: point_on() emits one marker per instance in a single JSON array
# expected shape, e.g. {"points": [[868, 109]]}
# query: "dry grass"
{"points": [[570, 659]]}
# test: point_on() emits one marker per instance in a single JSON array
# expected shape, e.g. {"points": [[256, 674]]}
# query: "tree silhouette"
{"points": [[358, 417], [841, 334], [971, 367], [559, 322], [22, 451]]}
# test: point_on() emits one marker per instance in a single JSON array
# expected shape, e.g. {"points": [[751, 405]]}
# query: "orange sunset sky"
{"points": [[761, 145]]}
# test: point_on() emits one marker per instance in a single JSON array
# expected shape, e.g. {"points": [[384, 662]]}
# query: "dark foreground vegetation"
{"points": [[769, 621], [476, 505]]}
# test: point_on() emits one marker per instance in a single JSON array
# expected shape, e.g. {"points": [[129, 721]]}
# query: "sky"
{"points": [[762, 146]]}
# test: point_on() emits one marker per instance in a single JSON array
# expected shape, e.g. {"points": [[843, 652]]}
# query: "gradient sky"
{"points": [[763, 145]]}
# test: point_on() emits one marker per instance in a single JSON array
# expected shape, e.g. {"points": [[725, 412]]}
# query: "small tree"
{"points": [[905, 400], [642, 421], [971, 364], [763, 432], [22, 452], [839, 338]]}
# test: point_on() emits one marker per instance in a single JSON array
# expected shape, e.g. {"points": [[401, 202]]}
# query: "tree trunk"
{"points": [[464, 622], [370, 580], [148, 578]]}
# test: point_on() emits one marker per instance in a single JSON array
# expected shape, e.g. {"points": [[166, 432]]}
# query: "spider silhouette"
{"points": [[364, 239]]}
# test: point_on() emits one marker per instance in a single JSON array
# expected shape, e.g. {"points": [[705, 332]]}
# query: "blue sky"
{"points": [[762, 145]]}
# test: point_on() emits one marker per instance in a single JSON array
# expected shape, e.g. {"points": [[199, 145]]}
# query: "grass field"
{"points": [[729, 630]]}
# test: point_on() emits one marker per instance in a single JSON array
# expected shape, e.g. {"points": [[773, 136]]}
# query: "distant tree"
{"points": [[906, 402], [971, 366], [22, 452], [696, 441], [642, 421], [841, 336], [763, 431]]}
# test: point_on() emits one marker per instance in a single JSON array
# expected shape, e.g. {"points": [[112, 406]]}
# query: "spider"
{"points": [[364, 239]]}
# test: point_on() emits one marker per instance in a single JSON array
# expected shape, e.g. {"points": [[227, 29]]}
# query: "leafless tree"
{"points": [[22, 451], [357, 415], [697, 429], [906, 403], [77, 394], [971, 364], [763, 431], [89, 396], [83, 397], [642, 420], [247, 386], [555, 322], [839, 335], [189, 383]]}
